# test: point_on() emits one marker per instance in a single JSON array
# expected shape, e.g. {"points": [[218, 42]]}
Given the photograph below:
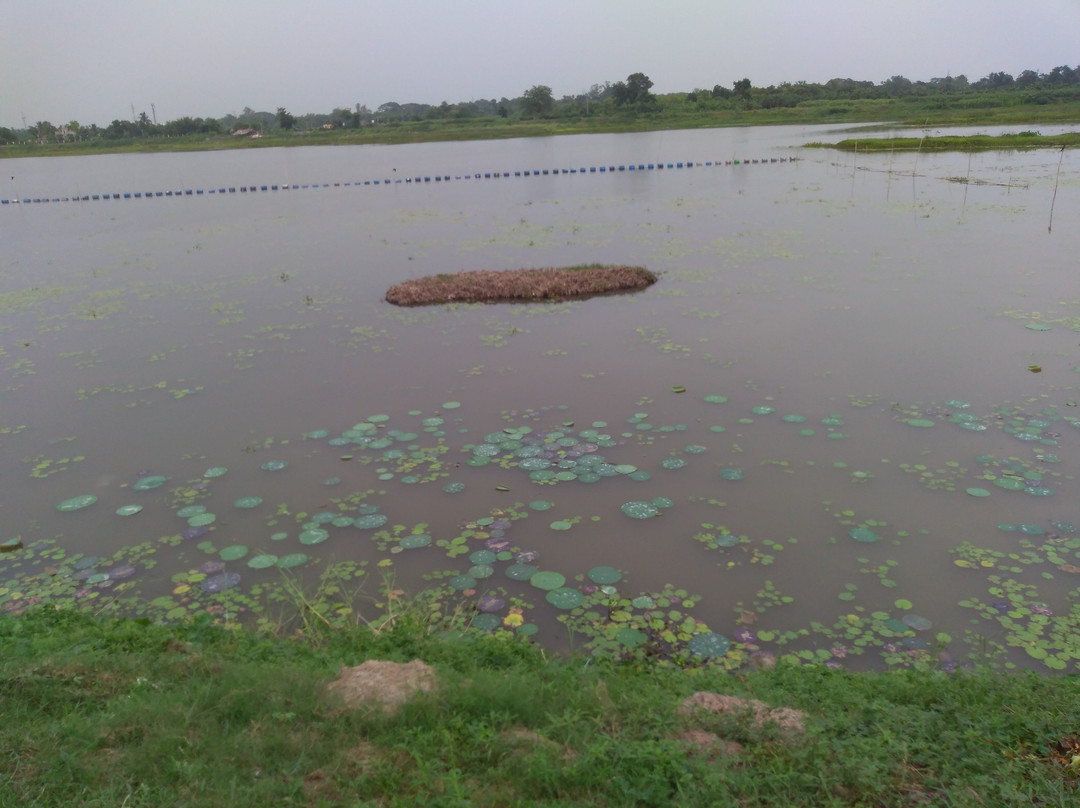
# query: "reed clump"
{"points": [[520, 285]]}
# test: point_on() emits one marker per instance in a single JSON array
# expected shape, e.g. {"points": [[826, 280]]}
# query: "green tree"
{"points": [[742, 89], [634, 91], [285, 119], [537, 100]]}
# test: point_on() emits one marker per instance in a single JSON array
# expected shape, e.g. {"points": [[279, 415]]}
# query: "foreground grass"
{"points": [[489, 286], [110, 713]]}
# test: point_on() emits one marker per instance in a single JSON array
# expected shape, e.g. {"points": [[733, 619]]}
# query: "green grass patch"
{"points": [[957, 143], [111, 712]]}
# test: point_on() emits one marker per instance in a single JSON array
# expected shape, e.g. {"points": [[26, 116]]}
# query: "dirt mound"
{"points": [[760, 713], [384, 684]]}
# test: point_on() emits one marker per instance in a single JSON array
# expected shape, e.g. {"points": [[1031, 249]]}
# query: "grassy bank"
{"points": [[672, 114], [963, 143], [105, 713]]}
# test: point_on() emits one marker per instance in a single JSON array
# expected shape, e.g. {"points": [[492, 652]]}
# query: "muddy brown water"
{"points": [[167, 336]]}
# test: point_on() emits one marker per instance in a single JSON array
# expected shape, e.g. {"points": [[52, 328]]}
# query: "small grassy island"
{"points": [[957, 143], [518, 285]]}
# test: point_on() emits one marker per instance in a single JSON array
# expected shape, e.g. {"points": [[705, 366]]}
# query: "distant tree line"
{"points": [[633, 96]]}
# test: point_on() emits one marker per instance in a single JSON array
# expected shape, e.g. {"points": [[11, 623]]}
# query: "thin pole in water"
{"points": [[1050, 226]]}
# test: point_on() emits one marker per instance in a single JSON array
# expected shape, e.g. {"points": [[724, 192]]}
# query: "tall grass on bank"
{"points": [[98, 712]]}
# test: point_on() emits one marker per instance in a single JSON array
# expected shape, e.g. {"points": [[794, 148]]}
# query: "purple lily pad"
{"points": [[744, 635], [489, 604], [527, 557], [498, 545], [195, 532], [220, 582]]}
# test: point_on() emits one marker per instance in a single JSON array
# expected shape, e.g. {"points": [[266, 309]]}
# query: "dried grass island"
{"points": [[520, 285]]}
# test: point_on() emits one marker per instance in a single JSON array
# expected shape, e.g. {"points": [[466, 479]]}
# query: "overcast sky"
{"points": [[91, 60]]}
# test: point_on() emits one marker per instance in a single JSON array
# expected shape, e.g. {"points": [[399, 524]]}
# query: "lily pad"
{"points": [[219, 582], [415, 541], [564, 598], [273, 465], [520, 572], [146, 483], [460, 583], [604, 575], [370, 521], [863, 534], [216, 471], [128, 510], [924, 423], [978, 492], [292, 560], [629, 637], [77, 503], [315, 535], [709, 644], [201, 519], [640, 510], [248, 502], [262, 561], [547, 580], [233, 552]]}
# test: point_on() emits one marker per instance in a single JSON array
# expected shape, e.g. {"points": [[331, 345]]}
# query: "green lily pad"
{"points": [[248, 502], [716, 399], [709, 644], [460, 583], [370, 521], [201, 519], [925, 423], [233, 552], [128, 510], [640, 510], [262, 561], [415, 541], [273, 465], [191, 510], [146, 483], [561, 524], [292, 560], [520, 572], [547, 580], [216, 471], [315, 535], [978, 492], [564, 598], [77, 503], [629, 637], [604, 575], [541, 505], [863, 534]]}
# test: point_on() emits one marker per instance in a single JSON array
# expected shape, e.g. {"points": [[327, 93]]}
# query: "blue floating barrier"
{"points": [[95, 197], [170, 193], [545, 172], [3, 202], [651, 166], [376, 182], [263, 187], [336, 185], [517, 173], [641, 167], [127, 196], [232, 190], [592, 169], [427, 179], [622, 168], [103, 196], [198, 192], [272, 188], [477, 176], [631, 167], [603, 169], [526, 173]]}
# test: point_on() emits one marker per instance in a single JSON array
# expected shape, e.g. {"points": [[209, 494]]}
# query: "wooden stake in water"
{"points": [[1050, 226]]}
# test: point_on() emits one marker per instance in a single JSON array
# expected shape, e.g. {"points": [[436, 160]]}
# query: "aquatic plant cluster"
{"points": [[267, 581], [489, 286]]}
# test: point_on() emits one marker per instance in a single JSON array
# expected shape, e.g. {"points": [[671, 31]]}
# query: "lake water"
{"points": [[841, 427]]}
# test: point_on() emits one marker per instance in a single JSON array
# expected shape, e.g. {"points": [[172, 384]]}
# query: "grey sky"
{"points": [[91, 60]]}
